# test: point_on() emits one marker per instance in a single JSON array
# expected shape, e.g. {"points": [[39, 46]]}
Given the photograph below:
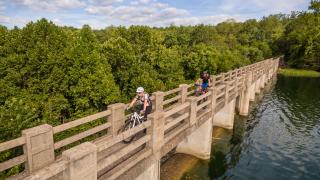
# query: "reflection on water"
{"points": [[280, 139]]}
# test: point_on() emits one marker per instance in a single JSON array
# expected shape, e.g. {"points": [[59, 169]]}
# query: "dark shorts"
{"points": [[148, 110]]}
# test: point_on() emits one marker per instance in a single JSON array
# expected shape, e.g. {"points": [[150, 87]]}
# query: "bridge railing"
{"points": [[176, 120], [203, 106], [174, 111], [15, 143], [67, 126]]}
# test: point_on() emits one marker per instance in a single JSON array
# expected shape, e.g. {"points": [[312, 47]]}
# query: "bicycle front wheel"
{"points": [[126, 127]]}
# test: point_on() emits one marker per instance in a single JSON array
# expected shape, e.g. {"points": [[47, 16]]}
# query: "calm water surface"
{"points": [[280, 139]]}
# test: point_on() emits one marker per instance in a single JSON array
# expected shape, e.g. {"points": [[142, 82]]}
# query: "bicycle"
{"points": [[200, 92], [134, 120]]}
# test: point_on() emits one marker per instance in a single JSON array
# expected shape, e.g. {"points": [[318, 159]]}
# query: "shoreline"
{"points": [[299, 73]]}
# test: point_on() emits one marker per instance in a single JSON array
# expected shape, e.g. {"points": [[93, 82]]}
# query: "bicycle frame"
{"points": [[136, 119]]}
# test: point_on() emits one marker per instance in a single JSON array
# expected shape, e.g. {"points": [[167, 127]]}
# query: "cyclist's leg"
{"points": [[148, 111]]}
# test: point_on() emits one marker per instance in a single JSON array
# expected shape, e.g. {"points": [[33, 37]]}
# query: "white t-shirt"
{"points": [[141, 99]]}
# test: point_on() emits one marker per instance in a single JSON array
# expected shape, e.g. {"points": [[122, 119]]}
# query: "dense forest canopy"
{"points": [[51, 74]]}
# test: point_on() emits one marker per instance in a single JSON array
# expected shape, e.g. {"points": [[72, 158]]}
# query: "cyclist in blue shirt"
{"points": [[203, 83]]}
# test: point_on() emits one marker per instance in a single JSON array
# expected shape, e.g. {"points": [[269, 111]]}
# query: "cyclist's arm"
{"points": [[145, 105], [198, 82], [132, 102]]}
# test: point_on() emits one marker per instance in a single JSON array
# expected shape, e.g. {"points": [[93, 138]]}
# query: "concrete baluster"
{"points": [[158, 100], [82, 162], [193, 110], [183, 92], [214, 80], [226, 96], [156, 130], [39, 147], [214, 92], [117, 117]]}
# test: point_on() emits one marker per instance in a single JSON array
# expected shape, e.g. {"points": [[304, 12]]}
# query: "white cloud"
{"points": [[58, 22], [99, 10], [203, 20], [104, 2], [144, 1], [265, 7], [152, 13], [50, 5], [3, 19], [159, 5], [94, 23], [138, 12], [2, 7], [102, 13]]}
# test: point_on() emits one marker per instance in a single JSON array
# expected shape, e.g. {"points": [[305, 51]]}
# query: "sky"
{"points": [[102, 13]]}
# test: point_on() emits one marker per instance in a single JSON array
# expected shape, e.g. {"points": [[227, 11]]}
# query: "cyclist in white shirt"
{"points": [[143, 101]]}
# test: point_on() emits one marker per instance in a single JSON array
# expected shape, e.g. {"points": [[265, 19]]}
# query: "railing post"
{"points": [[223, 77], [39, 147], [238, 79], [193, 110], [82, 162], [213, 91], [158, 100], [226, 96], [117, 117], [213, 80], [183, 92], [157, 133]]}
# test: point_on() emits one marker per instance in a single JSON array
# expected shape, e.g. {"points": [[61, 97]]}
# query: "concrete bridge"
{"points": [[180, 121]]}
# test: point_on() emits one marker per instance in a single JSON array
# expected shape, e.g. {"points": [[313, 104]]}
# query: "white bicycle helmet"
{"points": [[140, 89]]}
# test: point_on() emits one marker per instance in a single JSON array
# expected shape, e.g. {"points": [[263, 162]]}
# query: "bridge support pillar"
{"points": [[262, 81], [252, 91], [257, 86], [266, 80], [152, 172], [245, 97], [225, 117], [269, 74], [199, 142]]}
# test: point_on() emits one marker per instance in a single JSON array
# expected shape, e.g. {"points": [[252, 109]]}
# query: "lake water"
{"points": [[280, 139]]}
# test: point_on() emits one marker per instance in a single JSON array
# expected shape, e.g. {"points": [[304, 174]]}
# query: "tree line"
{"points": [[51, 74]]}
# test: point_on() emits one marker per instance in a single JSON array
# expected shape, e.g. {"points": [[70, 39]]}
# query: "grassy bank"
{"points": [[299, 73]]}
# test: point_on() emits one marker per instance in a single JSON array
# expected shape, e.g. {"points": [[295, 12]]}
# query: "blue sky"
{"points": [[103, 13]]}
